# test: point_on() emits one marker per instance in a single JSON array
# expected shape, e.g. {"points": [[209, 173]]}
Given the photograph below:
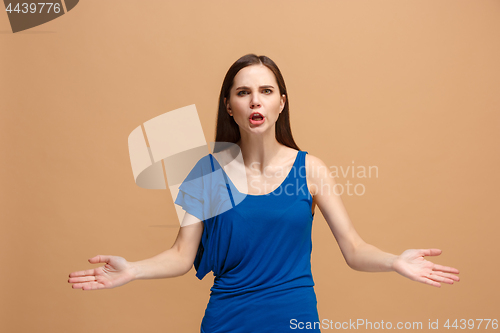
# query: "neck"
{"points": [[259, 150]]}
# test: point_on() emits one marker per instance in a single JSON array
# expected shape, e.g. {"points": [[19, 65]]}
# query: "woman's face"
{"points": [[255, 89]]}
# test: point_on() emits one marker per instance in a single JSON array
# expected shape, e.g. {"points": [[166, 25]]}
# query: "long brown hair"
{"points": [[226, 129]]}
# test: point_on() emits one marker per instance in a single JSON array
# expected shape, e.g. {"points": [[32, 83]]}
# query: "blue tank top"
{"points": [[259, 250]]}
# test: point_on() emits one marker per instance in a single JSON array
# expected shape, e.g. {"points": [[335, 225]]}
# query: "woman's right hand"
{"points": [[116, 272]]}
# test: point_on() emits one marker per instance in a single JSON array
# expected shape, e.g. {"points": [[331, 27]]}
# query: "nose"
{"points": [[254, 103]]}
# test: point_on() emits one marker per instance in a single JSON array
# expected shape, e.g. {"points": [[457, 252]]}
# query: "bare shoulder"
{"points": [[314, 161], [317, 174], [314, 164]]}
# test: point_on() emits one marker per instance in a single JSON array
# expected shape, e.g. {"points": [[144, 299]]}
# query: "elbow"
{"points": [[354, 264], [351, 255], [187, 270], [349, 259], [183, 261], [350, 262]]}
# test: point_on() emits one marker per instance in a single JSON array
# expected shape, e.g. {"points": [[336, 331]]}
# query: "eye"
{"points": [[242, 92], [267, 91]]}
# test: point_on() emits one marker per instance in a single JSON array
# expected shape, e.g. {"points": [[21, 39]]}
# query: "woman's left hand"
{"points": [[411, 264]]}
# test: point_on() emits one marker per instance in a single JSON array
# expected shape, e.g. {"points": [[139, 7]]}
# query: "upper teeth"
{"points": [[256, 114]]}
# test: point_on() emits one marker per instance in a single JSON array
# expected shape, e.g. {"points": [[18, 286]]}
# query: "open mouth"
{"points": [[256, 116]]}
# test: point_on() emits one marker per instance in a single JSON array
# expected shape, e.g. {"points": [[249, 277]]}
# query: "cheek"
{"points": [[277, 106], [237, 104]]}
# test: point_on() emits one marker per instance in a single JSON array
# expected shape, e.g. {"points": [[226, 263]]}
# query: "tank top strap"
{"points": [[298, 172], [225, 180], [302, 158], [301, 166], [300, 175]]}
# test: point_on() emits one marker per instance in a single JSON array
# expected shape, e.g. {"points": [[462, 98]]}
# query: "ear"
{"points": [[228, 108], [282, 102]]}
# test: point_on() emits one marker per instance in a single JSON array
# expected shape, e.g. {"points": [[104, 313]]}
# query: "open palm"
{"points": [[116, 272], [411, 264]]}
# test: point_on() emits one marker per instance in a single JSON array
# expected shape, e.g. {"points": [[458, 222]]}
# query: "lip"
{"points": [[251, 114], [256, 122]]}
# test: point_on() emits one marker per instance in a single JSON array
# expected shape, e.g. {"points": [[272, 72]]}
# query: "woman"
{"points": [[259, 250]]}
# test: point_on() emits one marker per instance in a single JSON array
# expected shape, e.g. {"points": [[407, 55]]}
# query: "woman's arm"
{"points": [[176, 261], [358, 254], [117, 271]]}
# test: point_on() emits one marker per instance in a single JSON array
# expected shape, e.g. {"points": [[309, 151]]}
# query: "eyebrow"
{"points": [[245, 87]]}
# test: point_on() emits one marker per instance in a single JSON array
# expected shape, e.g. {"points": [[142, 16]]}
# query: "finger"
{"points": [[431, 252], [92, 286], [83, 286], [445, 269], [428, 281], [83, 273], [82, 279], [100, 258], [439, 278], [446, 275], [77, 286]]}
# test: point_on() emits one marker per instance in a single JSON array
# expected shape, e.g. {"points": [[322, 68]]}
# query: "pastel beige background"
{"points": [[411, 87]]}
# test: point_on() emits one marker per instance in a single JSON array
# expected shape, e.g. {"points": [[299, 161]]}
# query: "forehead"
{"points": [[254, 75]]}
